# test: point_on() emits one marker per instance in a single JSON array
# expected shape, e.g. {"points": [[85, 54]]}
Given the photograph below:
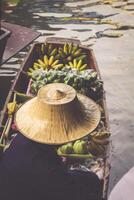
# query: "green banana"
{"points": [[54, 52], [77, 53], [66, 148], [75, 48], [82, 57], [80, 147]]}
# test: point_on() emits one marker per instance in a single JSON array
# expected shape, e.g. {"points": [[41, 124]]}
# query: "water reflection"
{"points": [[24, 13]]}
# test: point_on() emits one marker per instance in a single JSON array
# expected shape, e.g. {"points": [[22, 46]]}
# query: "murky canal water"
{"points": [[108, 27]]}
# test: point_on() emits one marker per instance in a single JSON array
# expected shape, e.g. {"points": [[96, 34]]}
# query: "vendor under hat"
{"points": [[30, 169], [57, 115]]}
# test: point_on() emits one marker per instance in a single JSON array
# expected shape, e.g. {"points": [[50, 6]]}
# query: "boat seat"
{"points": [[124, 189]]}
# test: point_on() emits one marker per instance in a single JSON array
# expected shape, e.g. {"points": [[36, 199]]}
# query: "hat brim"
{"points": [[57, 131]]}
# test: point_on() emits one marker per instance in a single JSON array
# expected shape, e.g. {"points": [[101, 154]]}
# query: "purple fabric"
{"points": [[31, 171]]}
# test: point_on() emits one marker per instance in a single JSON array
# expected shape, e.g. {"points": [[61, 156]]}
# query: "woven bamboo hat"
{"points": [[57, 115]]}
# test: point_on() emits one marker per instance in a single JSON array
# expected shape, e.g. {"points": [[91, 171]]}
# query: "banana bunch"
{"points": [[98, 142], [78, 64], [48, 49], [46, 63], [79, 147], [69, 52]]}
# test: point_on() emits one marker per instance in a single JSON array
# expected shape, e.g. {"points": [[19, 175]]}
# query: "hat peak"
{"points": [[56, 94]]}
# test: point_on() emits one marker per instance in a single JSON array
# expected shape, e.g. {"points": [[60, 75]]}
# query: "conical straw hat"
{"points": [[57, 115]]}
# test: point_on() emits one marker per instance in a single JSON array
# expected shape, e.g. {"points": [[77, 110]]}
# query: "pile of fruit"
{"points": [[69, 64], [58, 57], [85, 82], [90, 147]]}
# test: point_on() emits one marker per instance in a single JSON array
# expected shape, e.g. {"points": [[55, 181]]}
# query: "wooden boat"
{"points": [[22, 82], [16, 41]]}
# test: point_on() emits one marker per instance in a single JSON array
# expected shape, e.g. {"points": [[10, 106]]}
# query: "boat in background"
{"points": [[16, 40]]}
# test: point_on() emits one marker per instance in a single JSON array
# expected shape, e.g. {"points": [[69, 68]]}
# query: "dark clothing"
{"points": [[30, 171]]}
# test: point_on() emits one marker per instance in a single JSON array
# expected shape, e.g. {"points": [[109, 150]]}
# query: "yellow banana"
{"points": [[75, 63], [30, 70], [83, 67], [65, 48], [51, 59], [79, 64], [37, 65], [70, 45], [41, 63], [58, 66], [11, 107], [71, 64], [29, 73], [46, 61], [55, 63]]}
